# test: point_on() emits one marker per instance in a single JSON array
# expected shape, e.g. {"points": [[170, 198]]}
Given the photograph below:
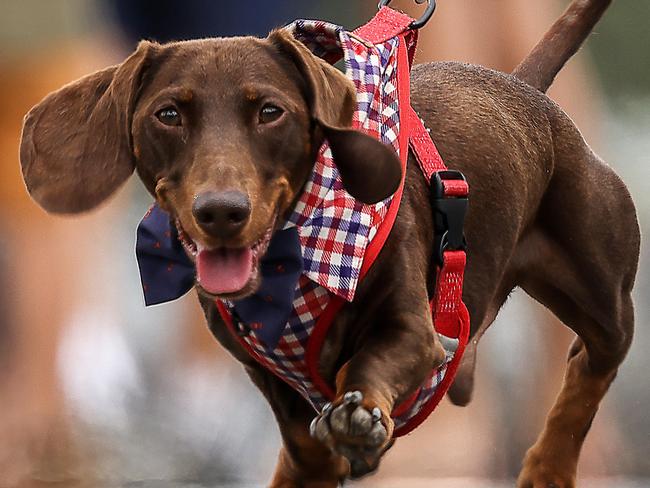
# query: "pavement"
{"points": [[398, 483]]}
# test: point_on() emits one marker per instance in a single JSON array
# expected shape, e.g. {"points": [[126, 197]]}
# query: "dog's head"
{"points": [[223, 133]]}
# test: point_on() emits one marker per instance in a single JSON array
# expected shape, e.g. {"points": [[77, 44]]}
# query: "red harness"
{"points": [[449, 200]]}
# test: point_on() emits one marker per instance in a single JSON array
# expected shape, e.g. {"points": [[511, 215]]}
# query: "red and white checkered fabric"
{"points": [[334, 228], [287, 359]]}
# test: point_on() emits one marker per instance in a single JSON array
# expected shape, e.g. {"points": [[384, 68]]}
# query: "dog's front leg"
{"points": [[303, 462], [400, 351]]}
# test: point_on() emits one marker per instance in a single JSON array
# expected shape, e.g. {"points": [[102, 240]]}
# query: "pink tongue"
{"points": [[224, 270]]}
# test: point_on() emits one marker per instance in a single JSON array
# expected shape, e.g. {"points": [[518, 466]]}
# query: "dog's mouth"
{"points": [[226, 272]]}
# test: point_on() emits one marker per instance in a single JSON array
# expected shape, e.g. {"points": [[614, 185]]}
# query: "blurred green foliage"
{"points": [[620, 46]]}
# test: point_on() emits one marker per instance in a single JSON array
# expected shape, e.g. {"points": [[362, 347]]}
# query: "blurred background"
{"points": [[97, 391]]}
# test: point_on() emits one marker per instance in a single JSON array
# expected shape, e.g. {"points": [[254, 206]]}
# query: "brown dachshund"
{"points": [[224, 133]]}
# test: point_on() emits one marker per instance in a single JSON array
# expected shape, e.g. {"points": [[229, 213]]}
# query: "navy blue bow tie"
{"points": [[167, 274]]}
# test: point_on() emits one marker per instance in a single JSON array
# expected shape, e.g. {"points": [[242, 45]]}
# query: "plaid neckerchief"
{"points": [[334, 228]]}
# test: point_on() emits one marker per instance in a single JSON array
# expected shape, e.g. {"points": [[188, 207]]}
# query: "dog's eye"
{"points": [[169, 116], [270, 113]]}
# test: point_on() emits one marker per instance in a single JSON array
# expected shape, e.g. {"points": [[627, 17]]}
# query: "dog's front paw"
{"points": [[355, 429], [556, 470]]}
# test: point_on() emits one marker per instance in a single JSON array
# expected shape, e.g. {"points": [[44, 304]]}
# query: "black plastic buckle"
{"points": [[421, 22], [448, 215]]}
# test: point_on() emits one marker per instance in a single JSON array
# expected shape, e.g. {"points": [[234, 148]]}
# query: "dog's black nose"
{"points": [[221, 214]]}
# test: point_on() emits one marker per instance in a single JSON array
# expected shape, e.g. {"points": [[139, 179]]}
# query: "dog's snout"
{"points": [[221, 214]]}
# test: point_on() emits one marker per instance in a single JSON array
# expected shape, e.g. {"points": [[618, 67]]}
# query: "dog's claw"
{"points": [[312, 427], [353, 398], [319, 429], [376, 414]]}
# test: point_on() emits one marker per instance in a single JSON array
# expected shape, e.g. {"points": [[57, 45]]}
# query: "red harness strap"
{"points": [[387, 24], [450, 316], [447, 304], [449, 284]]}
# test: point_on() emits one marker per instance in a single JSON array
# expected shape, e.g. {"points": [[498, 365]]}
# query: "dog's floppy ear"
{"points": [[76, 143], [370, 170]]}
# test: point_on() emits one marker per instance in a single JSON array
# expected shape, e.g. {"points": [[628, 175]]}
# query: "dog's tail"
{"points": [[561, 42]]}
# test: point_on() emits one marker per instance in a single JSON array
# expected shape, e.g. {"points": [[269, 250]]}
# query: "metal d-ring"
{"points": [[421, 22]]}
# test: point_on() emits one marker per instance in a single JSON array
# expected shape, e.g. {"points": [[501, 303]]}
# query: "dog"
{"points": [[224, 133]]}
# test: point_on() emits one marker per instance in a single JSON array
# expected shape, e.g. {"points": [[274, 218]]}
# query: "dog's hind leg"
{"points": [[461, 390], [580, 261]]}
